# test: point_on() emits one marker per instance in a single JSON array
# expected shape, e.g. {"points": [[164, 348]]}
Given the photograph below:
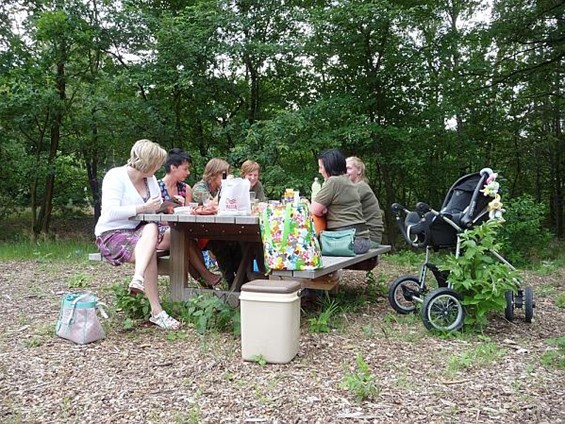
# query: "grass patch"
{"points": [[478, 356], [556, 356], [48, 250]]}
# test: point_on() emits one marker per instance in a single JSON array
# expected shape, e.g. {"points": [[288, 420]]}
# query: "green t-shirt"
{"points": [[341, 198], [371, 211], [201, 192], [259, 192]]}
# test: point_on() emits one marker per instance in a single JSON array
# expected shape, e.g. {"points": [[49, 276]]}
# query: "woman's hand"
{"points": [[179, 199], [152, 204]]}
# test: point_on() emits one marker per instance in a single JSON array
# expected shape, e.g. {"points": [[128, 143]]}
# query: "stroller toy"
{"points": [[471, 200]]}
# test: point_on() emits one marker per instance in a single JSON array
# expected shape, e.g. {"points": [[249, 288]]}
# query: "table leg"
{"points": [[178, 261], [246, 261]]}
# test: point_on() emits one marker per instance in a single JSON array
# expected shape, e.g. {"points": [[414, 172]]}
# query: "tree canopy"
{"points": [[423, 91]]}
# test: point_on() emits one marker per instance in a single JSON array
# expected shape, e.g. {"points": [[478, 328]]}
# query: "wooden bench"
{"points": [[321, 278], [162, 260]]}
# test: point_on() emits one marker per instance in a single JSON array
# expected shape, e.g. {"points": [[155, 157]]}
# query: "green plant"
{"points": [[478, 276], [260, 359], [323, 322], [361, 382], [375, 288], [480, 355], [78, 281], [525, 239], [560, 300], [133, 307], [556, 356], [207, 312]]}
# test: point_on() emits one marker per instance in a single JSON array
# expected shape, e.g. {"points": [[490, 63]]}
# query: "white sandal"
{"points": [[164, 321], [136, 286]]}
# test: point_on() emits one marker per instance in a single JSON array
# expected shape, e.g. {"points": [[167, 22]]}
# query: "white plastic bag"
{"points": [[234, 197]]}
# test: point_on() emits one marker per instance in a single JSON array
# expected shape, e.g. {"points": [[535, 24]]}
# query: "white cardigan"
{"points": [[120, 199]]}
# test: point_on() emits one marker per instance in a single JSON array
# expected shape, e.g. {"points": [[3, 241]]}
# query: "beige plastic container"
{"points": [[270, 320]]}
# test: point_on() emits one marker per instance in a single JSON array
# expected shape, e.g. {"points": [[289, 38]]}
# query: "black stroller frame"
{"points": [[464, 207]]}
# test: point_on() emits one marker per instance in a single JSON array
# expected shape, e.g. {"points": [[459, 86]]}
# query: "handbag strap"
{"points": [[286, 227]]}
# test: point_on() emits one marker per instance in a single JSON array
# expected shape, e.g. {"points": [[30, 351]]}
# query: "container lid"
{"points": [[271, 286]]}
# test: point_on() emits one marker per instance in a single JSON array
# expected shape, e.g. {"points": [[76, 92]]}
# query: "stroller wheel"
{"points": [[442, 310], [529, 304], [401, 294], [509, 310]]}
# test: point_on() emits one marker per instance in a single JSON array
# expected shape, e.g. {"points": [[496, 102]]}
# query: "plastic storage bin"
{"points": [[270, 320]]}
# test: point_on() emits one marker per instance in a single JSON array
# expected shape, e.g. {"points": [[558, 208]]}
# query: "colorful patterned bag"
{"points": [[289, 239]]}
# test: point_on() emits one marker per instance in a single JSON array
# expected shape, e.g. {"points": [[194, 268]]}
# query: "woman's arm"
{"points": [[318, 209]]}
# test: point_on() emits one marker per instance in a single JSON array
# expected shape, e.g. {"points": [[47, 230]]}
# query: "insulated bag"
{"points": [[289, 240]]}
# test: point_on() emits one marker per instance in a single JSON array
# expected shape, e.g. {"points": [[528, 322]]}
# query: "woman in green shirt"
{"points": [[339, 200], [369, 202]]}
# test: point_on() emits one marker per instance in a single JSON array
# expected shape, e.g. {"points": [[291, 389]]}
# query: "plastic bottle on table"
{"points": [[316, 186]]}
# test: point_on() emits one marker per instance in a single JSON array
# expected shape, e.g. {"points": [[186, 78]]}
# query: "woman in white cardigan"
{"points": [[126, 191]]}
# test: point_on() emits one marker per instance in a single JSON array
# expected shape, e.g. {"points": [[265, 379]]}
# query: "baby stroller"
{"points": [[466, 205]]}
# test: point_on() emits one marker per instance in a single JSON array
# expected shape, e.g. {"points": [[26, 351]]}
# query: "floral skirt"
{"points": [[117, 246]]}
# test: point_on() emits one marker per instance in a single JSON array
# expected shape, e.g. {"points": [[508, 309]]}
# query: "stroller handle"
{"points": [[422, 208], [411, 225]]}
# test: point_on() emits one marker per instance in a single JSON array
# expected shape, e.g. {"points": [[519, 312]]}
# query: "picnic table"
{"points": [[184, 227], [245, 230]]}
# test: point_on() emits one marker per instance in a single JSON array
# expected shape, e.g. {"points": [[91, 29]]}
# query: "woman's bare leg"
{"points": [[197, 261], [145, 259]]}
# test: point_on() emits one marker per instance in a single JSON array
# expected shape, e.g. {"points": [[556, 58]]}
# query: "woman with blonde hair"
{"points": [[127, 191], [250, 170], [371, 209]]}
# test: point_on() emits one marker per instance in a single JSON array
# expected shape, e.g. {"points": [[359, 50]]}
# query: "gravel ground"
{"points": [[146, 375]]}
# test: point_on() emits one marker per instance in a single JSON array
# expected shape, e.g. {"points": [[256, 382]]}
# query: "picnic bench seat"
{"points": [[321, 279], [313, 279], [162, 260]]}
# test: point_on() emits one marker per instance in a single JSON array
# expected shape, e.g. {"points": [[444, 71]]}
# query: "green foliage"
{"points": [[560, 300], [78, 281], [556, 356], [324, 322], [361, 382], [71, 250], [375, 288], [525, 238], [208, 313], [480, 278], [260, 359], [481, 355], [133, 307]]}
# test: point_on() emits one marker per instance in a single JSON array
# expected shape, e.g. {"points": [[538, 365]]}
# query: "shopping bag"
{"points": [[338, 243], [78, 321], [289, 241], [234, 197]]}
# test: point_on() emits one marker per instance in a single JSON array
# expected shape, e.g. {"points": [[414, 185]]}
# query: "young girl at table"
{"points": [[250, 170], [338, 200], [127, 191], [172, 185]]}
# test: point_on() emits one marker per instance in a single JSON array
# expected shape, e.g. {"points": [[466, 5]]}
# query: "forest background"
{"points": [[423, 91]]}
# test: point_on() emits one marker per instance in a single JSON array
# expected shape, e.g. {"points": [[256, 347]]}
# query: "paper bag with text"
{"points": [[234, 197]]}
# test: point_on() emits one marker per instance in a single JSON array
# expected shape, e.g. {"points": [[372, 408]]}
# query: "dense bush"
{"points": [[523, 235]]}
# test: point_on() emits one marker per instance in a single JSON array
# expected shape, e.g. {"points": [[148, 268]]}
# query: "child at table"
{"points": [[250, 170]]}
